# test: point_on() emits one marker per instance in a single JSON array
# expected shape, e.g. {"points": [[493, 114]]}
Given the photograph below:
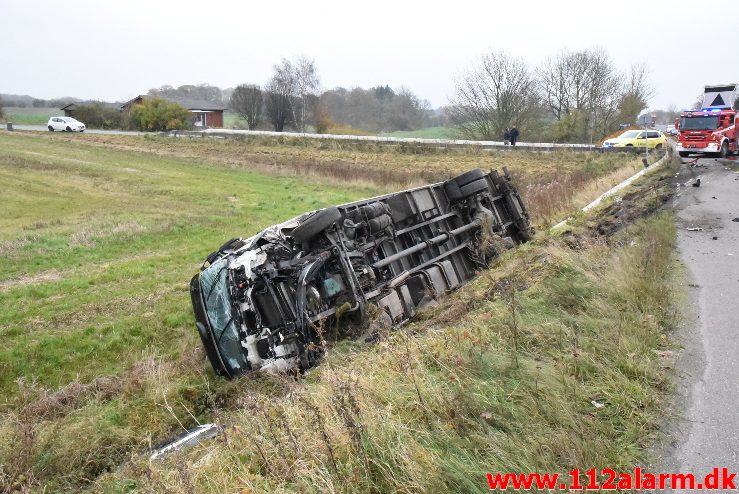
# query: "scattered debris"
{"points": [[735, 220], [185, 440], [697, 183], [715, 238], [597, 404], [487, 415], [713, 197], [694, 229]]}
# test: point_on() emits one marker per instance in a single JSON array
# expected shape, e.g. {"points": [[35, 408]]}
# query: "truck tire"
{"points": [[724, 153], [524, 234], [451, 188], [469, 177], [315, 224], [473, 188]]}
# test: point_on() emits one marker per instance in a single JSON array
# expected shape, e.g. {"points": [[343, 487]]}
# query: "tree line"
{"points": [[574, 96], [292, 98]]}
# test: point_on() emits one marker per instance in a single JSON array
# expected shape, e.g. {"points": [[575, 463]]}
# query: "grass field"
{"points": [[100, 236], [233, 121], [550, 180], [30, 116], [428, 133]]}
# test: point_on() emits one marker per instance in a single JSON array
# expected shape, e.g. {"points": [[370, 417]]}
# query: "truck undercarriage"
{"points": [[264, 302]]}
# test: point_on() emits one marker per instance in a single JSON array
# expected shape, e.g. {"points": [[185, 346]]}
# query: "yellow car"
{"points": [[638, 139]]}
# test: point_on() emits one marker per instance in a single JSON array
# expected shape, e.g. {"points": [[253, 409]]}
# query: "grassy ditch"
{"points": [[547, 362], [100, 359]]}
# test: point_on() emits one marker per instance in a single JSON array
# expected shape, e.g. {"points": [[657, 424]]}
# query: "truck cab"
{"points": [[707, 131], [710, 130]]}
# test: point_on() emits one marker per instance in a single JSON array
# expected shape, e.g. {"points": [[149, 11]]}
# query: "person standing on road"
{"points": [[506, 136], [513, 135]]}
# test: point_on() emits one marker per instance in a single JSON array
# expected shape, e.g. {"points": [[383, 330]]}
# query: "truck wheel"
{"points": [[724, 150], [469, 177], [315, 224], [473, 188], [451, 188], [683, 154], [524, 234]]}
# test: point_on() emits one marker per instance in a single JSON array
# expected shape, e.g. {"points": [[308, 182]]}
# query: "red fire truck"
{"points": [[711, 129]]}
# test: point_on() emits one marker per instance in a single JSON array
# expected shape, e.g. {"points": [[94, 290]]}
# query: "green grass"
{"points": [[428, 133], [99, 238], [98, 248], [30, 116], [477, 387], [232, 120]]}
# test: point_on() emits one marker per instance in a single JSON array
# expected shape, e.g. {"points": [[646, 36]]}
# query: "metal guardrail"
{"points": [[413, 141]]}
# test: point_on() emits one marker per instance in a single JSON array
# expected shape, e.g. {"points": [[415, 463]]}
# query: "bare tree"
{"points": [[582, 91], [635, 93], [555, 84], [307, 84], [2, 112], [298, 82], [500, 92], [247, 102], [280, 90]]}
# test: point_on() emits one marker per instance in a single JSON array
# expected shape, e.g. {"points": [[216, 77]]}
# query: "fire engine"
{"points": [[711, 129]]}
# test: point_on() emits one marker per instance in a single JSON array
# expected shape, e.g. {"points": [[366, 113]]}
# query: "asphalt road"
{"points": [[42, 128], [708, 435]]}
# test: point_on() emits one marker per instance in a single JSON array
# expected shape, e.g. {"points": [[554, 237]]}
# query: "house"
{"points": [[69, 109], [205, 113], [73, 107]]}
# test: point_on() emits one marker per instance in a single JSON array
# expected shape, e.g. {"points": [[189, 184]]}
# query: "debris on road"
{"points": [[697, 183], [695, 229], [735, 220]]}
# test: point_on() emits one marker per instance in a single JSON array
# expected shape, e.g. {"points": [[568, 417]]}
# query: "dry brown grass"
{"points": [[380, 165]]}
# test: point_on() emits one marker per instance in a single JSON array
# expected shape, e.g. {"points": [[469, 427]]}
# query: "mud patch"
{"points": [[645, 197]]}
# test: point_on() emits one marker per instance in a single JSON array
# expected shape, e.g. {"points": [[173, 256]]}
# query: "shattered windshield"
{"points": [[214, 284], [698, 123]]}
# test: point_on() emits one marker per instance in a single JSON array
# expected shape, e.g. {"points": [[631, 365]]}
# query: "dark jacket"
{"points": [[513, 134]]}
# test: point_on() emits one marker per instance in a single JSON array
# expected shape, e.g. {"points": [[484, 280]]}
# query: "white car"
{"points": [[67, 124]]}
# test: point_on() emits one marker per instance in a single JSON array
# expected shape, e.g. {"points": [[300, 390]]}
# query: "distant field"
{"points": [[232, 120], [30, 116], [429, 133]]}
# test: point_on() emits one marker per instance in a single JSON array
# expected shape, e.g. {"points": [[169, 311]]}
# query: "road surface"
{"points": [[42, 128], [223, 133], [708, 434]]}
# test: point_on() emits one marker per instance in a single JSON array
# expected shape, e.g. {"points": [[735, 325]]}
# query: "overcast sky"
{"points": [[114, 50]]}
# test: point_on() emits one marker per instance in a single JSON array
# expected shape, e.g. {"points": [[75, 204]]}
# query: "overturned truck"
{"points": [[263, 302]]}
